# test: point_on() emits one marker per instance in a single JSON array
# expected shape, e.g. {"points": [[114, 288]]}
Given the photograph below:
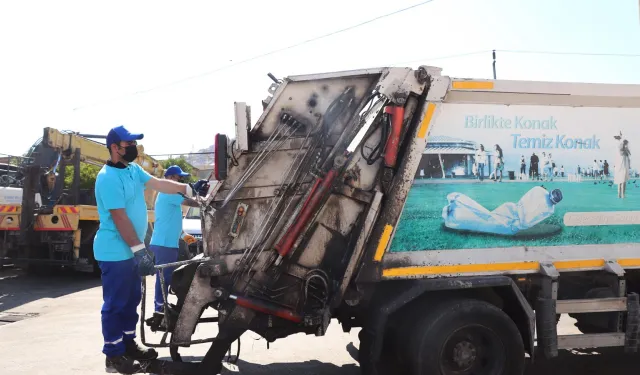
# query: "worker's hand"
{"points": [[189, 239], [145, 261], [201, 188]]}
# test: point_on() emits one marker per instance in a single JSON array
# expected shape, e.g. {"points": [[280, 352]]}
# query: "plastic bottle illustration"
{"points": [[463, 213]]}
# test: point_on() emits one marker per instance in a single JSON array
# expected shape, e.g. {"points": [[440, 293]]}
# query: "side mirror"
{"points": [[220, 154]]}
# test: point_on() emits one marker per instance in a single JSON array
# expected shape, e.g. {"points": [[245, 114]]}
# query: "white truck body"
{"points": [[573, 122]]}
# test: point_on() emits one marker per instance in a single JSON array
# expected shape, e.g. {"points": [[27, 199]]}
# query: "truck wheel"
{"points": [[464, 337]]}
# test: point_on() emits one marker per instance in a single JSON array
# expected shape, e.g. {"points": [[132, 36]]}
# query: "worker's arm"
{"points": [[162, 186], [142, 257], [190, 203], [165, 186], [125, 228], [178, 200], [169, 187]]}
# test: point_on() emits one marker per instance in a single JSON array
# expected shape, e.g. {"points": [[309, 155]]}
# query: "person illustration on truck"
{"points": [[534, 171], [523, 168], [622, 166], [481, 160], [547, 167], [499, 165], [596, 169]]}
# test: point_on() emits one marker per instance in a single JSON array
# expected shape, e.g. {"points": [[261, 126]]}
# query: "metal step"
{"points": [[598, 340], [593, 305]]}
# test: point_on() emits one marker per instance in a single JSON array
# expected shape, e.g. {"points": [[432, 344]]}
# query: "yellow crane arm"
{"points": [[92, 152]]}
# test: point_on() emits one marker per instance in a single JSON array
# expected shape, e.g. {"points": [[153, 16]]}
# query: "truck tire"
{"points": [[465, 337]]}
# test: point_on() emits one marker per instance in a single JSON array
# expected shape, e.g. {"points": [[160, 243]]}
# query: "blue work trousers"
{"points": [[121, 293], [163, 255]]}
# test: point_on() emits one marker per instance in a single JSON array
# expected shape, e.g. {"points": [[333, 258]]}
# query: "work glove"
{"points": [[188, 239], [201, 188], [144, 259]]}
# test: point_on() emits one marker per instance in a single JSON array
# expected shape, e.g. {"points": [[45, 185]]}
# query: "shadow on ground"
{"points": [[18, 288], [606, 361], [311, 367], [602, 362]]}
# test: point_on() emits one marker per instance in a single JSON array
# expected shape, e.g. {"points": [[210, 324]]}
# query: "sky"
{"points": [[88, 66]]}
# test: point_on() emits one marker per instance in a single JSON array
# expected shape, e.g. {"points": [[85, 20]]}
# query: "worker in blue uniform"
{"points": [[167, 234], [119, 246]]}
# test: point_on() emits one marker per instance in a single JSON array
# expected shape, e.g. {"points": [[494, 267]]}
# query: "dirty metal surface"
{"points": [[200, 294], [310, 99]]}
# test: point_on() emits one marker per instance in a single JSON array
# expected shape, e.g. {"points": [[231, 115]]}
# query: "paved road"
{"points": [[57, 331]]}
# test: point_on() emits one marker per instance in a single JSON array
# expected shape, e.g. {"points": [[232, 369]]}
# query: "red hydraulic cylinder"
{"points": [[313, 191], [319, 189], [267, 308], [391, 150]]}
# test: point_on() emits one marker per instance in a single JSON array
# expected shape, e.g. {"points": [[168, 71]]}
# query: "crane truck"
{"points": [[44, 223], [452, 220]]}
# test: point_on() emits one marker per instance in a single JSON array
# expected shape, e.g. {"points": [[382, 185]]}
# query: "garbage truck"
{"points": [[452, 220]]}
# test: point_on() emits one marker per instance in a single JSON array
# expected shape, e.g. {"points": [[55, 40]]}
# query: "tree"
{"points": [[88, 174], [183, 164]]}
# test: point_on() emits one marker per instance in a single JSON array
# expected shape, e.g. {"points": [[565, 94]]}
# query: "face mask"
{"points": [[130, 153]]}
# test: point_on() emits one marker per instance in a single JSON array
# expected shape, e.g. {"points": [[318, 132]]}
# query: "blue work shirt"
{"points": [[168, 226], [119, 187]]}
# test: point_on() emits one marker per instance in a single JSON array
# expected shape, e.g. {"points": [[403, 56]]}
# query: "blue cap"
{"points": [[120, 134], [175, 170]]}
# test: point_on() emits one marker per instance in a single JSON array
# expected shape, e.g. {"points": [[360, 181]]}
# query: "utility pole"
{"points": [[494, 64]]}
